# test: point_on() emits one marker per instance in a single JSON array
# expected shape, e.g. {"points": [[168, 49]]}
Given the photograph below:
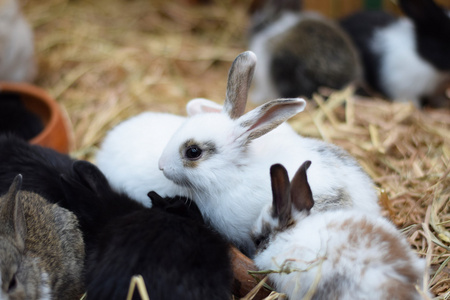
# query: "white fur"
{"points": [[355, 261], [404, 74], [231, 186], [16, 44], [130, 152]]}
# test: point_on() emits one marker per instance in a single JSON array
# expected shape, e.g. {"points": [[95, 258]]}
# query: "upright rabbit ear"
{"points": [[92, 177], [201, 105], [12, 215], [281, 203], [301, 195], [267, 117], [239, 80]]}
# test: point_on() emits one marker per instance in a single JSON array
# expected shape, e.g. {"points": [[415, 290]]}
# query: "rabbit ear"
{"points": [[201, 105], [239, 80], [301, 194], [267, 117], [156, 199], [12, 213], [281, 203], [91, 176]]}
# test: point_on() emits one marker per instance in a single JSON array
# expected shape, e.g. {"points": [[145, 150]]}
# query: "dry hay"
{"points": [[107, 60]]}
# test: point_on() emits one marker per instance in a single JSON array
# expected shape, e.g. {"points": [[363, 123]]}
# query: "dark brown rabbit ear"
{"points": [[301, 195], [239, 79], [281, 203], [12, 214]]}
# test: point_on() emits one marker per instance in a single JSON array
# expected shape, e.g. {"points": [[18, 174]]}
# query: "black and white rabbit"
{"points": [[298, 52], [16, 44], [222, 158], [168, 244], [41, 248], [407, 58], [343, 254]]}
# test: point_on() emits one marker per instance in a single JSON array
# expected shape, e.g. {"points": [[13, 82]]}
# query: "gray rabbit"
{"points": [[298, 52], [41, 248]]}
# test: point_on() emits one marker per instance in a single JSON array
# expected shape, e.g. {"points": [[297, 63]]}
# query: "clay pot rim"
{"points": [[57, 116]]}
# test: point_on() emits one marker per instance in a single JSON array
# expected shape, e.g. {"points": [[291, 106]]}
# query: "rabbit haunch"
{"points": [[345, 253], [223, 159]]}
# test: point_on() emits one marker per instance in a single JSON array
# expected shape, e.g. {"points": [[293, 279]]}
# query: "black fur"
{"points": [[40, 167], [169, 245], [432, 27], [361, 28], [16, 119]]}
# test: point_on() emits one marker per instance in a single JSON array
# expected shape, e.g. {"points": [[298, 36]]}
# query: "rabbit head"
{"points": [[212, 141], [291, 201]]}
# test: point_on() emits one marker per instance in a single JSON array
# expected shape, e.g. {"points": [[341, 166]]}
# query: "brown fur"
{"points": [[53, 245]]}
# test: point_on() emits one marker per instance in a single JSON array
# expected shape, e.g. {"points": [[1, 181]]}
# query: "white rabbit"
{"points": [[16, 44], [130, 152], [223, 160], [342, 254]]}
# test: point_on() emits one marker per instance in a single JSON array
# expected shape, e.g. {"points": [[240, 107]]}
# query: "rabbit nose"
{"points": [[160, 165]]}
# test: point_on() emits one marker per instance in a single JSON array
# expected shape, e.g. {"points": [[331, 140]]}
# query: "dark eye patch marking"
{"points": [[192, 152]]}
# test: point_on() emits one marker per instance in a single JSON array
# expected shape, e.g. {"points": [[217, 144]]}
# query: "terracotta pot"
{"points": [[57, 133], [243, 282]]}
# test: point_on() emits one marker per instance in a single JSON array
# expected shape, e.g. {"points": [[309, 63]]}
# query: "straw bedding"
{"points": [[105, 61]]}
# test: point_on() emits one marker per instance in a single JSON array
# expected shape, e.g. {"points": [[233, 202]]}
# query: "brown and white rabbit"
{"points": [[221, 157], [298, 52], [16, 44], [342, 254], [41, 248]]}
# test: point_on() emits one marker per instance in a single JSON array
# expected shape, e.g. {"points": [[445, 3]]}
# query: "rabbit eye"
{"points": [[12, 284], [193, 152]]}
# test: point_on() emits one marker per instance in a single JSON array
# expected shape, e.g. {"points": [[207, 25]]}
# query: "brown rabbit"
{"points": [[41, 248]]}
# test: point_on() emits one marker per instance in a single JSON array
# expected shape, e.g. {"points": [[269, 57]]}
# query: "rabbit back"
{"points": [[130, 151], [353, 255], [177, 258], [299, 53], [336, 178], [40, 166]]}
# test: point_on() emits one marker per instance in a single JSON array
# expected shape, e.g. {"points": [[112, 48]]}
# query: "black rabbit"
{"points": [[168, 244]]}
